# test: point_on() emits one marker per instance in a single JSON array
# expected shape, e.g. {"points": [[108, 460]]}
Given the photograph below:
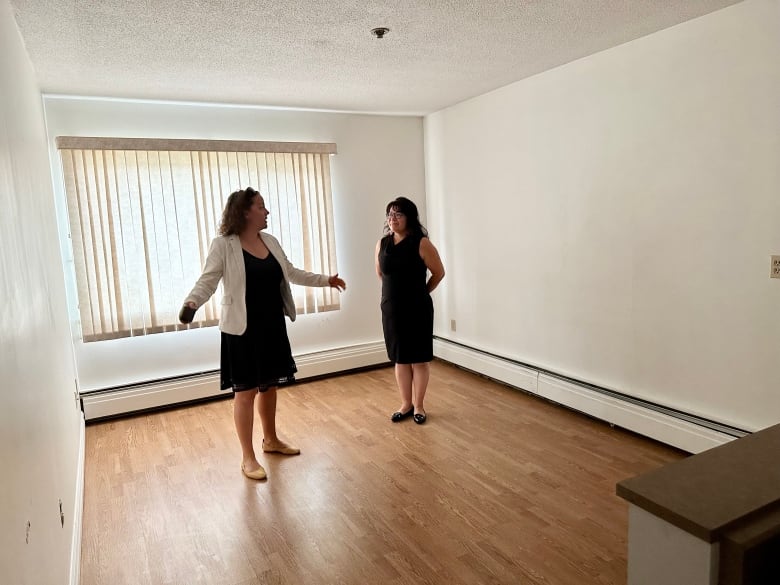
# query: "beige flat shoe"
{"points": [[280, 447], [256, 474]]}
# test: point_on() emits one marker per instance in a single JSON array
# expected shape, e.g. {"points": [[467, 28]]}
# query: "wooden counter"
{"points": [[727, 497]]}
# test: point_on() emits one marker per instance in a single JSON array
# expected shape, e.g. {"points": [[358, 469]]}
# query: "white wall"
{"points": [[612, 219], [39, 421], [379, 157]]}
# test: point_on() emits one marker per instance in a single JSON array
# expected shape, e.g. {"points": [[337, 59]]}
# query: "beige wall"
{"points": [[379, 157], [613, 219], [39, 419]]}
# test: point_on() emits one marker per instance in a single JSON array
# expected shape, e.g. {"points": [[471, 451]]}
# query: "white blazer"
{"points": [[226, 262]]}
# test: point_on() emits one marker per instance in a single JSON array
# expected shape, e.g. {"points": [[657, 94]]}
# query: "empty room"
{"points": [[598, 183]]}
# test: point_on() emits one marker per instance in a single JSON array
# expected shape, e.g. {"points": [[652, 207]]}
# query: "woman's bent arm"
{"points": [[430, 256]]}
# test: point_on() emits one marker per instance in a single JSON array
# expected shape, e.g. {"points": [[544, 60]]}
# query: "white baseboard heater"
{"points": [[122, 400], [687, 432]]}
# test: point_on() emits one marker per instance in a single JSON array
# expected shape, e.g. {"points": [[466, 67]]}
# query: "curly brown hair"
{"points": [[233, 218]]}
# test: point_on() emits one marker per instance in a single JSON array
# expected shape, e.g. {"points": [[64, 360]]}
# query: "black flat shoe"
{"points": [[399, 416], [420, 418]]}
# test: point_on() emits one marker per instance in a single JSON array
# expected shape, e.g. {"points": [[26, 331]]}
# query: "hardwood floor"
{"points": [[497, 488]]}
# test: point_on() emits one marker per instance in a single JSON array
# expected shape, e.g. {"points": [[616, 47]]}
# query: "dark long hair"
{"points": [[409, 209], [233, 218]]}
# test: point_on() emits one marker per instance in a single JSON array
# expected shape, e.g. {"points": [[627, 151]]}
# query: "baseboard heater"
{"points": [[150, 395], [680, 429]]}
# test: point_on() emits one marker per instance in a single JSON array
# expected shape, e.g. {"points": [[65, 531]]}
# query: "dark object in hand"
{"points": [[187, 314]]}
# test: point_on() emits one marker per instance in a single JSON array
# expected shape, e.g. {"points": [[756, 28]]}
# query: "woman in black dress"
{"points": [[256, 354], [404, 256]]}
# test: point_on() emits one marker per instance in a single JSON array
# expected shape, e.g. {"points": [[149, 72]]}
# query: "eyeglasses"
{"points": [[395, 215]]}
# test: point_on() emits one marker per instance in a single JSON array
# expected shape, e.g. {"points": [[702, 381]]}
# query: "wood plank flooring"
{"points": [[498, 487]]}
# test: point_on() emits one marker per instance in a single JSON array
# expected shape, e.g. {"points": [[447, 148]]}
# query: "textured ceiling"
{"points": [[321, 54]]}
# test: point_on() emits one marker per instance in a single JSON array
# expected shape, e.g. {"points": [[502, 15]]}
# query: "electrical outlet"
{"points": [[452, 325], [774, 271], [62, 515]]}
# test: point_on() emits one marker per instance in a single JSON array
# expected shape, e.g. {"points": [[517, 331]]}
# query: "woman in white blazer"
{"points": [[256, 356]]}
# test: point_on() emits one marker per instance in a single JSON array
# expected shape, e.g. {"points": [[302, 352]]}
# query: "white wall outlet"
{"points": [[452, 321], [775, 267]]}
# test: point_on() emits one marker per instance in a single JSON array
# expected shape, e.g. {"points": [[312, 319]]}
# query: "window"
{"points": [[143, 212]]}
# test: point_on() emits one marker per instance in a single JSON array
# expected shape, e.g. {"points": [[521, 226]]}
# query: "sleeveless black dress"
{"points": [[261, 357], [407, 308]]}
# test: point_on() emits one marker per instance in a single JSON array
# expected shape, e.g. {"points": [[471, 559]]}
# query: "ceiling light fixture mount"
{"points": [[380, 32]]}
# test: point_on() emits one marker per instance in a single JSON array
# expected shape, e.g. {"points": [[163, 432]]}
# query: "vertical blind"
{"points": [[142, 213]]}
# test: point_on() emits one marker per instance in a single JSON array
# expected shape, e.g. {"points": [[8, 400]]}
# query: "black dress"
{"points": [[407, 308], [261, 357]]}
